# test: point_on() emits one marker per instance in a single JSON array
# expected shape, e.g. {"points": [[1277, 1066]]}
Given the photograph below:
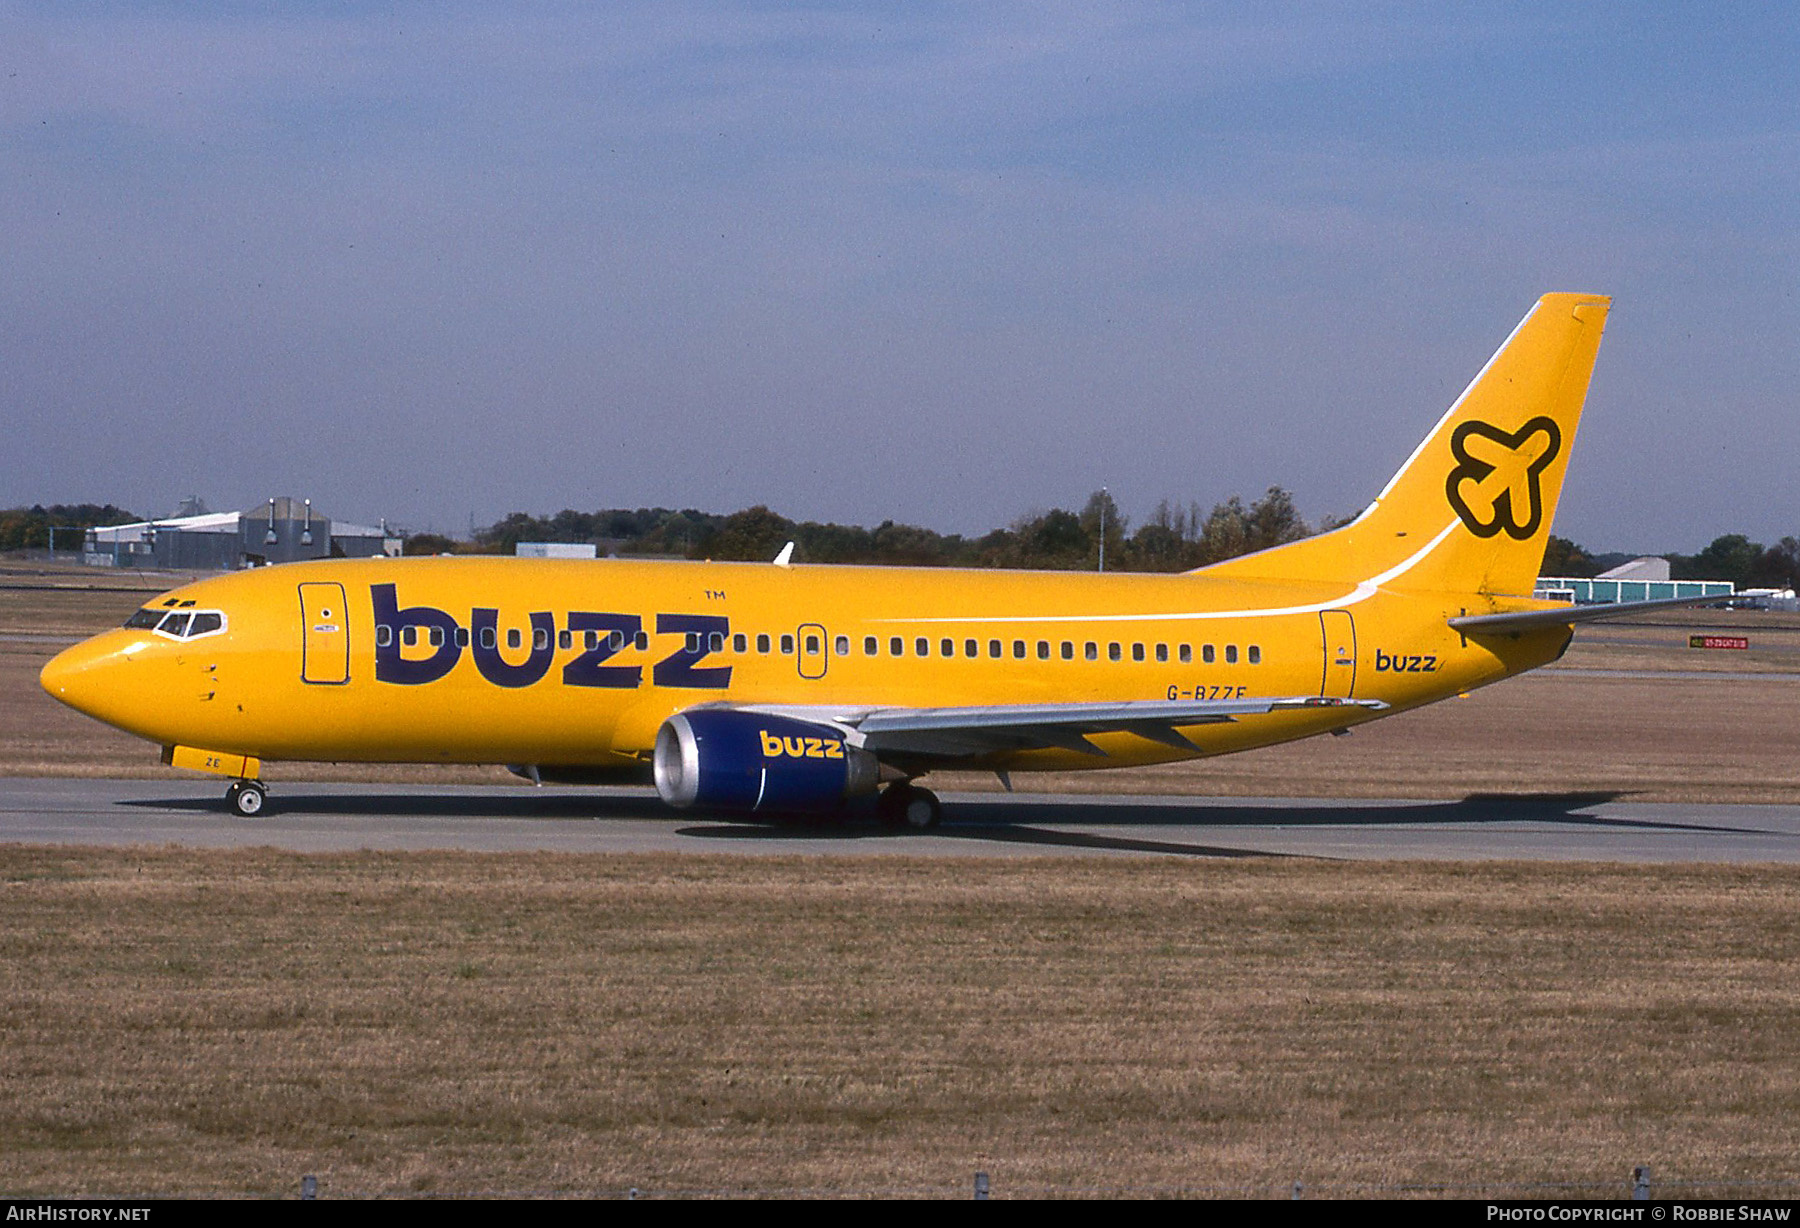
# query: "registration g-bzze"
{"points": [[781, 687]]}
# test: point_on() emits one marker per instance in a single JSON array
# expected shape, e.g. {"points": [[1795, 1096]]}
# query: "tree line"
{"points": [[28, 528], [1731, 556], [1173, 538]]}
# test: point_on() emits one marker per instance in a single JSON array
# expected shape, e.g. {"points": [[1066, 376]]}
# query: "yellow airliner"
{"points": [[780, 687]]}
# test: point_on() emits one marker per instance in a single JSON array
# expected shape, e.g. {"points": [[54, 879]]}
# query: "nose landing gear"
{"points": [[247, 797]]}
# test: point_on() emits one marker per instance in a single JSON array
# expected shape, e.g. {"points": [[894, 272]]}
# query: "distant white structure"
{"points": [[1650, 568], [1768, 599], [556, 550]]}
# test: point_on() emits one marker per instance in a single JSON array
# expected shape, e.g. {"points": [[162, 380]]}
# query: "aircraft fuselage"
{"points": [[482, 660]]}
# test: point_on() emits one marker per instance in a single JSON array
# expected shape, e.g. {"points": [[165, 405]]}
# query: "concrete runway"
{"points": [[329, 817]]}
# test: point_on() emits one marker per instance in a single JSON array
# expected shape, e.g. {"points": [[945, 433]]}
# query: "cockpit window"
{"points": [[181, 624]]}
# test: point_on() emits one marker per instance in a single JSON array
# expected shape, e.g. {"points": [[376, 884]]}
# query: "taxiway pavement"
{"points": [[336, 817]]}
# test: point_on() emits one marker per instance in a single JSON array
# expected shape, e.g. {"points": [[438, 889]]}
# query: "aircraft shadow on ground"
{"points": [[1023, 821], [535, 805], [1001, 819]]}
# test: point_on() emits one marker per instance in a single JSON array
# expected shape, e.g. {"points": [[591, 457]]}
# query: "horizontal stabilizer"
{"points": [[1568, 616]]}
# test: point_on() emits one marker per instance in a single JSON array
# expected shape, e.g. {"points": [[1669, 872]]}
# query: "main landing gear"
{"points": [[904, 804], [247, 797]]}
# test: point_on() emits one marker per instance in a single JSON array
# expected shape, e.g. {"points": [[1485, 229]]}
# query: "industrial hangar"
{"points": [[1642, 579], [283, 530]]}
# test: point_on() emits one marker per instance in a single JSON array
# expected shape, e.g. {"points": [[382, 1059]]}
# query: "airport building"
{"points": [[280, 531], [1645, 579]]}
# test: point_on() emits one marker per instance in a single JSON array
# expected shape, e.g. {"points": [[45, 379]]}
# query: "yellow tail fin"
{"points": [[1470, 510]]}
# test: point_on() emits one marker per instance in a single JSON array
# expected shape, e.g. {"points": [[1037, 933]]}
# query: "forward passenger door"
{"points": [[325, 635]]}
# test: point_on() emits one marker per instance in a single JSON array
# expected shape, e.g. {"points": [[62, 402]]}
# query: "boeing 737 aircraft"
{"points": [[780, 687]]}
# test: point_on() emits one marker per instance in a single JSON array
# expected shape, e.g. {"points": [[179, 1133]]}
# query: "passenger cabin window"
{"points": [[812, 645], [1092, 651], [762, 643], [947, 648], [564, 638], [740, 642], [1187, 654], [870, 645], [1255, 654], [896, 647], [384, 635], [513, 638], [1137, 652], [1114, 652], [922, 646], [1018, 650], [437, 636], [462, 637], [787, 645], [1231, 654], [409, 636], [971, 648], [487, 637], [693, 641], [715, 641], [641, 640], [1068, 650], [1206, 653], [994, 649], [1043, 650]]}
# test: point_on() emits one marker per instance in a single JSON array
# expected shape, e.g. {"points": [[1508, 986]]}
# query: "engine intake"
{"points": [[738, 760]]}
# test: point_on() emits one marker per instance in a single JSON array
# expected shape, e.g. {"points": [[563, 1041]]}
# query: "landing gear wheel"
{"points": [[905, 805], [247, 797]]}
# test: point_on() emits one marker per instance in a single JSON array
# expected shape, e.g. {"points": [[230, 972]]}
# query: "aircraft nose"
{"points": [[81, 677]]}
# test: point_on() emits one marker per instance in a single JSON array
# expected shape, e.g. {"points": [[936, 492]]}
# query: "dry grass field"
{"points": [[439, 1023], [181, 1020]]}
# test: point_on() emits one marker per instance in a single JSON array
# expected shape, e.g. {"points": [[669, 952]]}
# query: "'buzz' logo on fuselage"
{"points": [[601, 635]]}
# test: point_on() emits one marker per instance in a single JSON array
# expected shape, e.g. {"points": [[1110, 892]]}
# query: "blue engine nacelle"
{"points": [[739, 760]]}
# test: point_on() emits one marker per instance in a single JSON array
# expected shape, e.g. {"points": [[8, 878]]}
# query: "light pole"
{"points": [[1104, 499]]}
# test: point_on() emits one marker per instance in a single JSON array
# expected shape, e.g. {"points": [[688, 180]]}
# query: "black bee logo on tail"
{"points": [[1495, 485]]}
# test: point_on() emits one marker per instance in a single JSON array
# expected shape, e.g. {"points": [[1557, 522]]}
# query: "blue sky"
{"points": [[944, 264]]}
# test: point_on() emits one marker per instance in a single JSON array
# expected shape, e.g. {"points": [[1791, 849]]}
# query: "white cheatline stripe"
{"points": [[1364, 590]]}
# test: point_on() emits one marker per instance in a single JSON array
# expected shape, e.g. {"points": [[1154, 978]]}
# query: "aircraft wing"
{"points": [[1568, 616], [962, 732]]}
